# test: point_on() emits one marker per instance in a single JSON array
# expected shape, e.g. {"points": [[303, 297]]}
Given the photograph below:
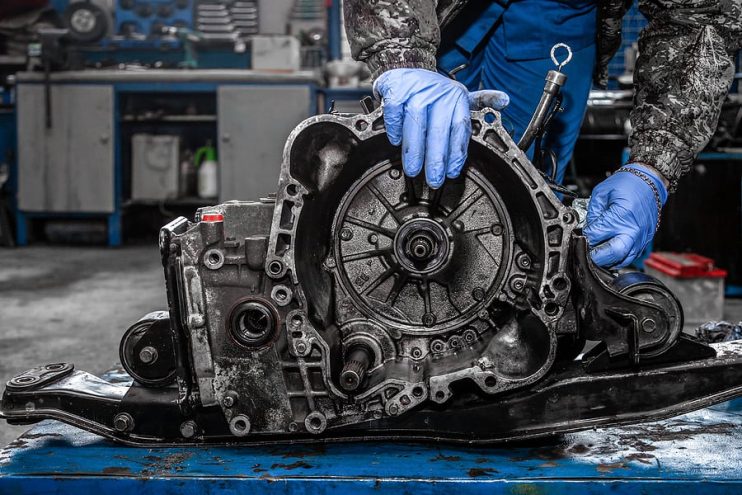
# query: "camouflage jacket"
{"points": [[683, 73]]}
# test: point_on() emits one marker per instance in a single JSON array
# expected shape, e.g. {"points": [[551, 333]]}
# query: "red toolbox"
{"points": [[698, 284]]}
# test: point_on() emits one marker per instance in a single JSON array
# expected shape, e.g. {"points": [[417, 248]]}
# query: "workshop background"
{"points": [[117, 116]]}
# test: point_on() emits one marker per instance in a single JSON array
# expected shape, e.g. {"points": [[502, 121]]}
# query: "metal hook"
{"points": [[566, 60], [452, 73]]}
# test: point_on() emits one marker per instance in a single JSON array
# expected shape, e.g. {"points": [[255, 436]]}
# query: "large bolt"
{"points": [[123, 422], [148, 355]]}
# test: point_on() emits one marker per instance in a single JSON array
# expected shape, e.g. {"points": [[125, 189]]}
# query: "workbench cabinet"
{"points": [[66, 152], [74, 135]]}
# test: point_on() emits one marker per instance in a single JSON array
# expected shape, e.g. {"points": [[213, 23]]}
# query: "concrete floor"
{"points": [[73, 304]]}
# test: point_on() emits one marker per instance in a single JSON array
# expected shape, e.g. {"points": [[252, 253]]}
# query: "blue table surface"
{"points": [[700, 452]]}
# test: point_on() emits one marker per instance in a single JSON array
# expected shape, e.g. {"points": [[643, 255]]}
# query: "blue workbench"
{"points": [[700, 452]]}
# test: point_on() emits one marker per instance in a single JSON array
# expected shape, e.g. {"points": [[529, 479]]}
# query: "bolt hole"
{"points": [[361, 125], [297, 320], [281, 295], [240, 425], [291, 190], [297, 335], [275, 267], [418, 392], [559, 284], [551, 309], [315, 422], [440, 395], [213, 258], [490, 381], [489, 117]]}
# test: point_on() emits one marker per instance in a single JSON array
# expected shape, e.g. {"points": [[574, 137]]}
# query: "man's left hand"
{"points": [[623, 215]]}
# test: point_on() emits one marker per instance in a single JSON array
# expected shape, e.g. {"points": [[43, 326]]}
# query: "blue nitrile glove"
{"points": [[429, 115], [623, 215]]}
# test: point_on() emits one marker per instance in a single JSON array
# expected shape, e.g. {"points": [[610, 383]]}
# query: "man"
{"points": [[684, 70]]}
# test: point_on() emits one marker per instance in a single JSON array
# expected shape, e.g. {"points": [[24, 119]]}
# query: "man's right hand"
{"points": [[428, 114]]}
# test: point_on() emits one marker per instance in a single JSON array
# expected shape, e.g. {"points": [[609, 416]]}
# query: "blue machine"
{"points": [[159, 32], [147, 17]]}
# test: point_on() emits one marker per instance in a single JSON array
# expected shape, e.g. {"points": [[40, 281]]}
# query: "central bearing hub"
{"points": [[422, 246], [394, 242]]}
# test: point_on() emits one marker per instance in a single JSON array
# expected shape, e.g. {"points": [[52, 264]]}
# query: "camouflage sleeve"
{"points": [[683, 73], [391, 34], [608, 39]]}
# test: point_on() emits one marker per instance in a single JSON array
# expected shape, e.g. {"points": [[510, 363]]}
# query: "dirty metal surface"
{"points": [[700, 452]]}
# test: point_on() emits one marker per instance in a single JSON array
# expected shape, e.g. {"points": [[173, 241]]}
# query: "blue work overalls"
{"points": [[506, 45]]}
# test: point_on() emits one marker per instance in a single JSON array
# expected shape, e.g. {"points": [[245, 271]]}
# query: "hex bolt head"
{"points": [[437, 346], [428, 319], [148, 355], [395, 173], [239, 425], [517, 284], [524, 261], [393, 409], [373, 238], [458, 225], [229, 400], [416, 352], [496, 229], [301, 347], [123, 422], [649, 325], [478, 293], [188, 428], [346, 234]]}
